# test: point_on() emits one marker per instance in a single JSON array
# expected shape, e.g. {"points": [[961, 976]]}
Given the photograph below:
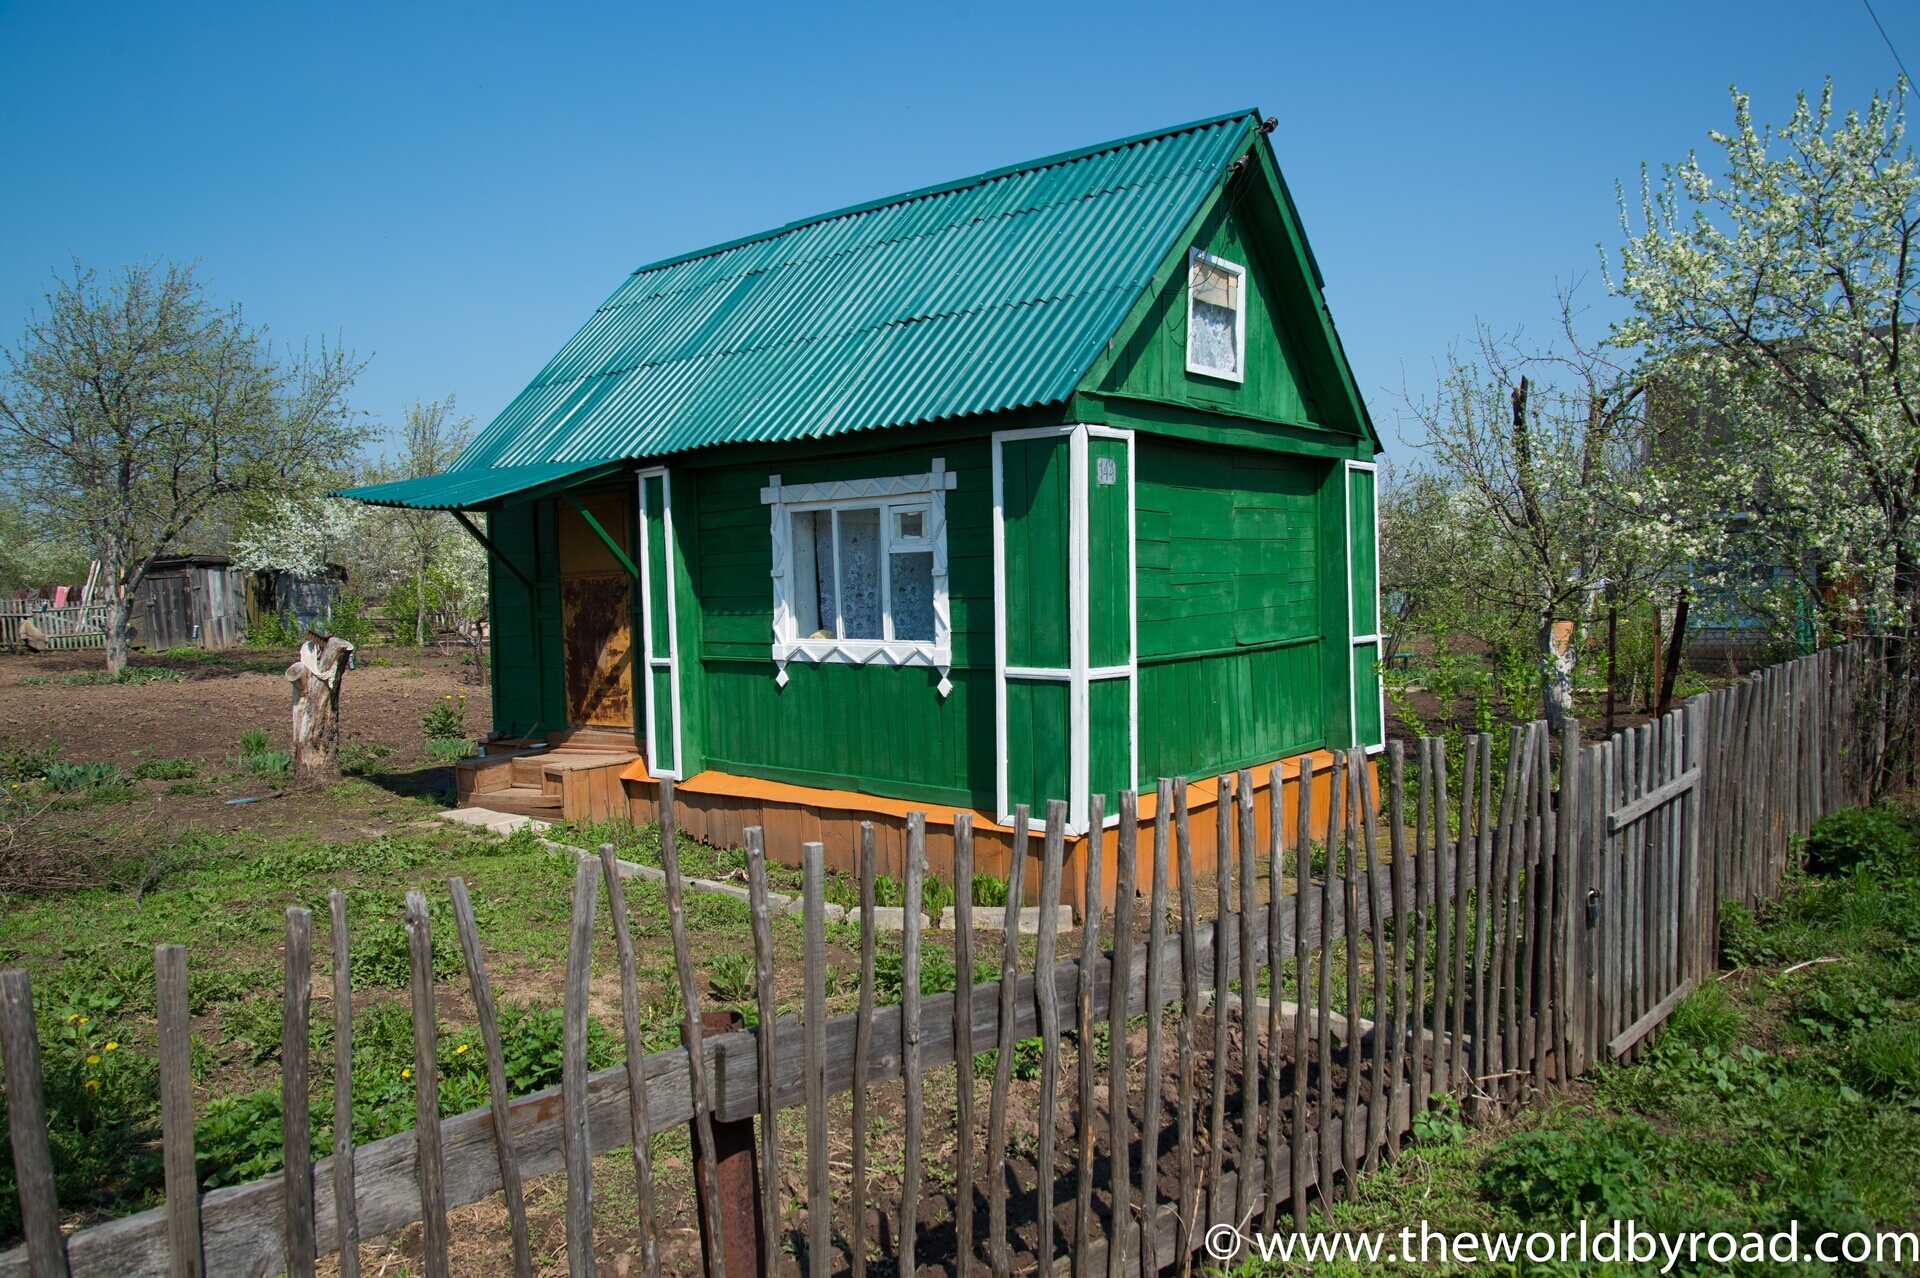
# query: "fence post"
{"points": [[27, 1125], [734, 1178], [184, 1259]]}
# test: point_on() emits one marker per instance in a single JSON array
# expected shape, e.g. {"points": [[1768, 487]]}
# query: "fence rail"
{"points": [[1488, 946], [66, 626]]}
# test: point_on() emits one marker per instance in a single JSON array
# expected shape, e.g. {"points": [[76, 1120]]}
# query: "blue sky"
{"points": [[451, 190]]}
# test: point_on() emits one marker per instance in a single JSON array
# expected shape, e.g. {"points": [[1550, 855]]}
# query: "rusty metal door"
{"points": [[596, 612]]}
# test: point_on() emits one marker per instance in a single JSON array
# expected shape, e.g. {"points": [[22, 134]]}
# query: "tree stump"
{"points": [[316, 708]]}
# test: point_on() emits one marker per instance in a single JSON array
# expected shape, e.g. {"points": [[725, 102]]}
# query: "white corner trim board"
{"points": [[911, 493]]}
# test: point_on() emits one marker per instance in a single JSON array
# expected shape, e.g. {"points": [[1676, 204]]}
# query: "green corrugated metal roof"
{"points": [[990, 293], [459, 489]]}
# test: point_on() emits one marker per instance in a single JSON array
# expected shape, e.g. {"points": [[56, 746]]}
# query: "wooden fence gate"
{"points": [[1485, 947]]}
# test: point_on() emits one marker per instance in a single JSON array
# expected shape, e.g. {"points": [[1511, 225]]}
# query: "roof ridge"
{"points": [[944, 188], [847, 250]]}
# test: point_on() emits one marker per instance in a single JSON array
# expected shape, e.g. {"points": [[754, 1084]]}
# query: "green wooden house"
{"points": [[1038, 483]]}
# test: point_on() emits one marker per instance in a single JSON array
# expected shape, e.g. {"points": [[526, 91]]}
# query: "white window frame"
{"points": [[671, 662], [1079, 672], [1239, 374], [1377, 639], [891, 494]]}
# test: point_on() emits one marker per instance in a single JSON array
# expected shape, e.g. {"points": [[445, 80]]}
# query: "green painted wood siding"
{"points": [[1036, 493], [528, 694], [874, 729], [1232, 629], [1109, 627]]}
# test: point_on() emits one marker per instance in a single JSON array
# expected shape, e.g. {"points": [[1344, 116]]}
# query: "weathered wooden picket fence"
{"points": [[65, 626], [1487, 947]]}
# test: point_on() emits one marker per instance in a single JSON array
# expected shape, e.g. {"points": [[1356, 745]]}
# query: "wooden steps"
{"points": [[574, 777]]}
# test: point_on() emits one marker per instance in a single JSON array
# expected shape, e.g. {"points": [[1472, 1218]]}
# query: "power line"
{"points": [[1889, 40]]}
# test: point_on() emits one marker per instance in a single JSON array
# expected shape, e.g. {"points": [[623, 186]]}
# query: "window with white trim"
{"points": [[860, 571], [1216, 316]]}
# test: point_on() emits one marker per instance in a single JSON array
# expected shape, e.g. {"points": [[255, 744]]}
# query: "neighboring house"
{"points": [[296, 599], [1034, 485]]}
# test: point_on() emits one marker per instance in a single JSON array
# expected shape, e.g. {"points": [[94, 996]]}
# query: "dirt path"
{"points": [[201, 716]]}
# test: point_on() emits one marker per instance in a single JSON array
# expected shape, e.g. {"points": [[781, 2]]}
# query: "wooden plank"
{"points": [[1421, 879], [863, 1053], [1247, 863], [1513, 913], [573, 1074], [1090, 957], [296, 1130], [1376, 921], [1624, 1042], [1276, 951], [27, 1128], [1397, 848], [1613, 856], [1152, 1109], [910, 1028], [1490, 1066], [1302, 1020], [766, 1041], [1119, 1113], [176, 1111], [426, 1089], [1466, 860], [1323, 999], [997, 1172], [346, 1227], [715, 1237], [813, 859], [1351, 1155], [1053, 851], [1536, 1006], [963, 1029], [1222, 973], [1485, 877], [630, 1038], [1435, 853], [1697, 954], [1566, 826], [1187, 1210]]}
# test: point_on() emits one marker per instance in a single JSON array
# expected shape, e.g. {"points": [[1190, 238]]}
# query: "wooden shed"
{"points": [[1037, 484], [197, 601]]}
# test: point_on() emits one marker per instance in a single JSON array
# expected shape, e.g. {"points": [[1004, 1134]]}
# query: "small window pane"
{"points": [[1212, 337], [912, 590], [910, 523], [859, 551], [813, 607]]}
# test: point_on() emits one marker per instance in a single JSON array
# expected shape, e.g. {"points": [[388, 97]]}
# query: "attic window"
{"points": [[860, 571], [1216, 316]]}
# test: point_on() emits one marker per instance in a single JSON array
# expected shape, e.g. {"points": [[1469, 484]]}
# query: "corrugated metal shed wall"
{"points": [[991, 296]]}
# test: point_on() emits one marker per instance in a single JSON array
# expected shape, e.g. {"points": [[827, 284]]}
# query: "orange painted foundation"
{"points": [[717, 808]]}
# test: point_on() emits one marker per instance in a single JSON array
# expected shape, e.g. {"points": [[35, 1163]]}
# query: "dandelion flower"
{"points": [[85, 1019], [93, 1084], [458, 1050], [112, 1046], [94, 1059], [406, 1073], [73, 1017]]}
